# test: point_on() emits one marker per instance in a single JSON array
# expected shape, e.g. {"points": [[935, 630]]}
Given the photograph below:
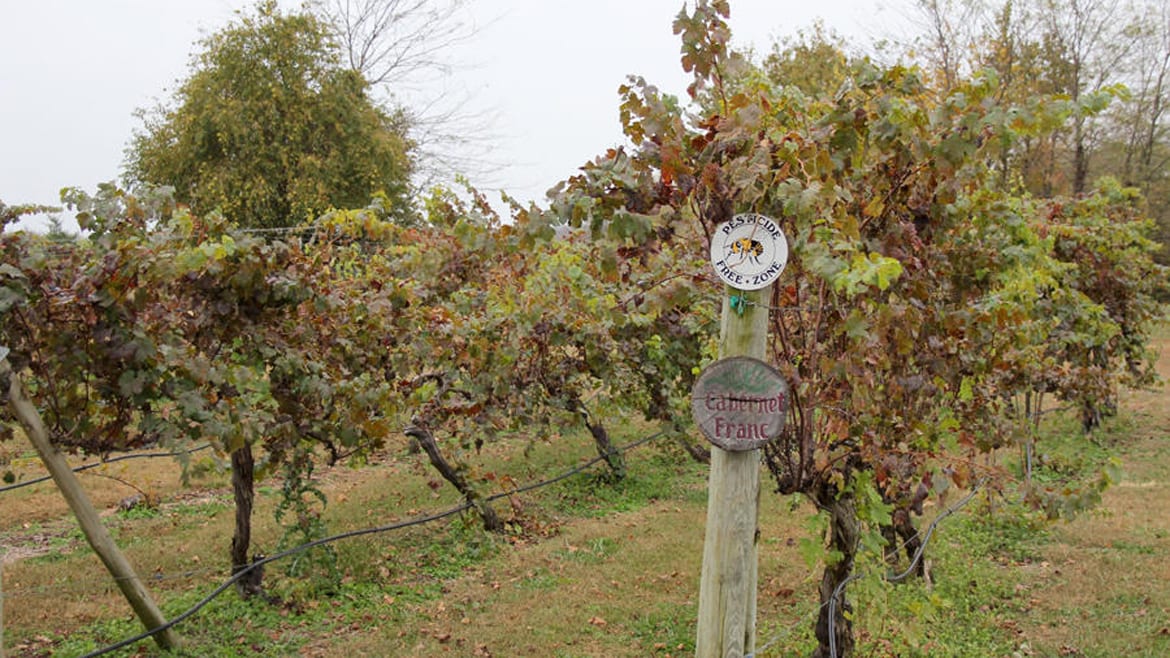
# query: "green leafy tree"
{"points": [[271, 129], [814, 61]]}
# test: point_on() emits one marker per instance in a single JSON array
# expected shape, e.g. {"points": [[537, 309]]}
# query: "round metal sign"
{"points": [[740, 403], [749, 252]]}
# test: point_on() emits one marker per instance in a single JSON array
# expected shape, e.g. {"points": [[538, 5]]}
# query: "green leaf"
{"points": [[886, 270], [966, 394], [9, 298], [132, 382], [12, 271], [856, 326]]}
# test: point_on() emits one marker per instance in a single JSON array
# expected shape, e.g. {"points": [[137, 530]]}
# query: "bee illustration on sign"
{"points": [[747, 248]]}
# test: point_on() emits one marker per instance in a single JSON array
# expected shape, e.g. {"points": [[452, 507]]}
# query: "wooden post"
{"points": [[727, 587], [96, 533], [3, 555]]}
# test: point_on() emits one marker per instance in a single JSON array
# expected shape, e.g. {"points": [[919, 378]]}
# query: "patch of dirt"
{"points": [[59, 535], [22, 547]]}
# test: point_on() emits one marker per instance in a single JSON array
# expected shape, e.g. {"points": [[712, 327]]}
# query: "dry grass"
{"points": [[622, 585], [53, 582], [1104, 587]]}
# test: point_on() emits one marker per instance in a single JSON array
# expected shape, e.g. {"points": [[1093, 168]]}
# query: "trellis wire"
{"points": [[86, 467], [738, 299]]}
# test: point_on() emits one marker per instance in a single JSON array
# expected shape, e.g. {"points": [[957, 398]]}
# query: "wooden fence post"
{"points": [[3, 554], [87, 517], [727, 586]]}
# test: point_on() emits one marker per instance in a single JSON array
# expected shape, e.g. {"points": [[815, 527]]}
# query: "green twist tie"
{"points": [[738, 304]]}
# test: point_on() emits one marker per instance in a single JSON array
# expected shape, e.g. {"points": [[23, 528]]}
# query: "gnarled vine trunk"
{"points": [[901, 533], [244, 492], [605, 448], [491, 520], [834, 629], [695, 450]]}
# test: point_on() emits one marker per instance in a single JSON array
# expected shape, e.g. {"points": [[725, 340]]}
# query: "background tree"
{"points": [[1081, 52], [814, 61], [1137, 147], [1084, 46], [949, 29], [272, 129]]}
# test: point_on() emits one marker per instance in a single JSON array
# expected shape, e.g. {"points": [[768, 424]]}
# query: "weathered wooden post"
{"points": [[3, 554], [87, 517], [739, 403]]}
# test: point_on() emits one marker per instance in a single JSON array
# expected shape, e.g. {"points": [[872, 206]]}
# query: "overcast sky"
{"points": [[72, 73]]}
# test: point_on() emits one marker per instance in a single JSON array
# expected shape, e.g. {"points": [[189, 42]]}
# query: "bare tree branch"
{"points": [[405, 50]]}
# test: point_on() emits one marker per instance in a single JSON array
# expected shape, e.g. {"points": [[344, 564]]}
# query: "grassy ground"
{"points": [[1102, 587], [593, 569]]}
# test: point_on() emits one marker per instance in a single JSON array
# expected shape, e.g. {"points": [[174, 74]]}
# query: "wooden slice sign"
{"points": [[740, 403]]}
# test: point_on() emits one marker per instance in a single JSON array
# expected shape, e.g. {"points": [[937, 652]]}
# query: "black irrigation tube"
{"points": [[86, 467], [357, 533]]}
